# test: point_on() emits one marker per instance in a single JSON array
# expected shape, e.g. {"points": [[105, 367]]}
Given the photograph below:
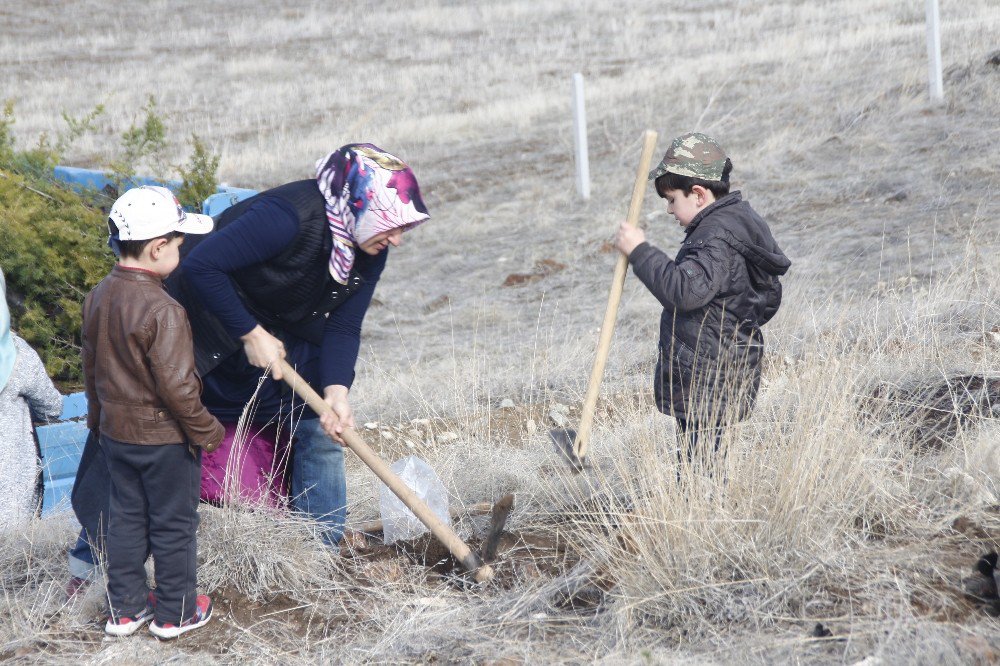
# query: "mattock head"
{"points": [[498, 520], [565, 441]]}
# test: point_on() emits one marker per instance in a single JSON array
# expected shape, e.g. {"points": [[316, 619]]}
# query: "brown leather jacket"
{"points": [[138, 365]]}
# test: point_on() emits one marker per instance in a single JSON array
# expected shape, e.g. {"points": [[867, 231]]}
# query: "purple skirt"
{"points": [[253, 471]]}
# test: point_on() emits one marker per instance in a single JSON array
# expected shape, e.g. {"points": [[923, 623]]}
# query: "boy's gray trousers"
{"points": [[154, 509]]}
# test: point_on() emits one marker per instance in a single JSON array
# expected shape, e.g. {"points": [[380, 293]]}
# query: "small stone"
{"points": [[446, 437], [410, 444], [371, 425], [432, 601], [387, 434], [506, 403], [558, 418], [869, 661], [530, 426], [539, 616]]}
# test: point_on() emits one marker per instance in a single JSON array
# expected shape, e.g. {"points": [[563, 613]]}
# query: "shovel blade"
{"points": [[564, 439]]}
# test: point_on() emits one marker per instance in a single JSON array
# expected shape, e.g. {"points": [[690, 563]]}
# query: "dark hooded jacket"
{"points": [[716, 294]]}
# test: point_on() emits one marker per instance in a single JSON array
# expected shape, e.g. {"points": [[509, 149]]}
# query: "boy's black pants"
{"points": [[694, 438], [154, 509]]}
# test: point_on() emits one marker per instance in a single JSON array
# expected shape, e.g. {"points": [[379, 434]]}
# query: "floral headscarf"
{"points": [[368, 191], [8, 352]]}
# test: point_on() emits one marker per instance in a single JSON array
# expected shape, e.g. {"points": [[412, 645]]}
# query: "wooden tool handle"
{"points": [[480, 509], [582, 441], [443, 532]]}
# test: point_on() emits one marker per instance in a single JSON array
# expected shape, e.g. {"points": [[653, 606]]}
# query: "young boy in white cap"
{"points": [[717, 292], [144, 401]]}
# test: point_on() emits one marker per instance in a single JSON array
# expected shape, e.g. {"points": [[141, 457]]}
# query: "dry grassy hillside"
{"points": [[854, 498]]}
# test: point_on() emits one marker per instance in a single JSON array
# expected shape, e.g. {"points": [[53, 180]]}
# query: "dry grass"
{"points": [[886, 205]]}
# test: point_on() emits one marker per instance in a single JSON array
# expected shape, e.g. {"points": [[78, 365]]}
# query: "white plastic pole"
{"points": [[935, 77], [580, 139]]}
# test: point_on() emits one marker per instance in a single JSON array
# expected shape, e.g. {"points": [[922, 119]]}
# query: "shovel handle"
{"points": [[353, 440], [582, 441]]}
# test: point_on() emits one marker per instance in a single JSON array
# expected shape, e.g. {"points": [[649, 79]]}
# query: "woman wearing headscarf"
{"points": [[26, 393], [290, 273]]}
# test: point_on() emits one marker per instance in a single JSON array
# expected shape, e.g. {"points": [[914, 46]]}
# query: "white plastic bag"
{"points": [[398, 522]]}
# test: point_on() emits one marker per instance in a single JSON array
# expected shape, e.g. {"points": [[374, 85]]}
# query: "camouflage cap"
{"points": [[695, 155]]}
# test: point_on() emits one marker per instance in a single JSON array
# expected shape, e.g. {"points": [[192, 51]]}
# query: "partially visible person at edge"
{"points": [[143, 402], [26, 394], [717, 292]]}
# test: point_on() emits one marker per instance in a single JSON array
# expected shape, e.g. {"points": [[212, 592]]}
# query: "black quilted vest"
{"points": [[289, 294]]}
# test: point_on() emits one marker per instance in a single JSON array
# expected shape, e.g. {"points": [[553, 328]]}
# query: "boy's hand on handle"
{"points": [[628, 238], [341, 415], [263, 350]]}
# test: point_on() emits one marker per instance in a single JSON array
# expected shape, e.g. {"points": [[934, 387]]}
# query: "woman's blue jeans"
{"points": [[319, 488]]}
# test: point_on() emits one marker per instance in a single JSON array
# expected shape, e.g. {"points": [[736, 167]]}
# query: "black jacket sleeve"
{"points": [[687, 285]]}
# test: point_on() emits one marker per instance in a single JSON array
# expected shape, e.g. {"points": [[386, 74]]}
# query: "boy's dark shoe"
{"points": [[126, 626], [981, 586], [76, 587], [202, 614]]}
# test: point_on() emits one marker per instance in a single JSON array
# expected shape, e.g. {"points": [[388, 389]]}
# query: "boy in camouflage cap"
{"points": [[717, 292]]}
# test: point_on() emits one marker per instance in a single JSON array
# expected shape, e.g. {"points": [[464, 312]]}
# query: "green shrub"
{"points": [[38, 161], [53, 246], [53, 251], [198, 177], [139, 144]]}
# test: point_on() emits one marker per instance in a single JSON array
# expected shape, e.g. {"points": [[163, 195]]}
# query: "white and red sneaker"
{"points": [[126, 626], [202, 614]]}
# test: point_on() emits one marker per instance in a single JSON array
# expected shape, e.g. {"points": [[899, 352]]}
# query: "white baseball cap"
{"points": [[150, 212]]}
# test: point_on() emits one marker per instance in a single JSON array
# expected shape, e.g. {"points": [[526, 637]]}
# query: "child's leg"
{"points": [[693, 437], [172, 481], [687, 440], [128, 531], [91, 503], [81, 557]]}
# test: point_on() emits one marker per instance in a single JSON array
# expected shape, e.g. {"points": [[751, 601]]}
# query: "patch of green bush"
{"points": [[53, 251], [53, 247], [140, 143], [198, 177]]}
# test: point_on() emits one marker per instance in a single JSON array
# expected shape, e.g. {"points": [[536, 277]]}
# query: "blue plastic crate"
{"points": [[62, 446], [74, 406], [83, 179], [224, 198]]}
